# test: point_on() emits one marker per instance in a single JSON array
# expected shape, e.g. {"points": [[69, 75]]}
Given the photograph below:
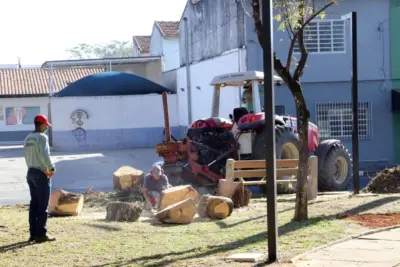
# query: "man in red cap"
{"points": [[40, 170]]}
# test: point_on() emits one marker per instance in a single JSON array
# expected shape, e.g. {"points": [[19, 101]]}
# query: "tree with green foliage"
{"points": [[293, 17], [114, 49]]}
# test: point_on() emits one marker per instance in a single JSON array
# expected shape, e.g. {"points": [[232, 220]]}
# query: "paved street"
{"points": [[379, 249], [75, 172]]}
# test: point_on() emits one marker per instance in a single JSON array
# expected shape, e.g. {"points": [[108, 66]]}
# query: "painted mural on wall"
{"points": [[78, 119], [21, 115]]}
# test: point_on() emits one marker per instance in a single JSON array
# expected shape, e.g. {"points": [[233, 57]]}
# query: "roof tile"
{"points": [[143, 43], [29, 82], [168, 28]]}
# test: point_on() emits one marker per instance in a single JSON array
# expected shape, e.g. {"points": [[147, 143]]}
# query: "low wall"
{"points": [[110, 122]]}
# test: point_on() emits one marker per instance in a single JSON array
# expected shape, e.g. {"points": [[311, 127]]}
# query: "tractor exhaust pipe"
{"points": [[166, 117]]}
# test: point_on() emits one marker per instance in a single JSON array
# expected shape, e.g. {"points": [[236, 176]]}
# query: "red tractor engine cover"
{"points": [[313, 135], [212, 123]]}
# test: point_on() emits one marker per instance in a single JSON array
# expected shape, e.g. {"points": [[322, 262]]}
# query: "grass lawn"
{"points": [[88, 240]]}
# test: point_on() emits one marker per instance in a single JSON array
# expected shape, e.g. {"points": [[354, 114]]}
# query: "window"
{"points": [[324, 36], [334, 120], [280, 110], [21, 115]]}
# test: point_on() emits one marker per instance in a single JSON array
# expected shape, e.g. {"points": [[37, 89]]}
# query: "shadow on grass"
{"points": [[108, 228], [201, 252], [14, 246], [224, 225]]}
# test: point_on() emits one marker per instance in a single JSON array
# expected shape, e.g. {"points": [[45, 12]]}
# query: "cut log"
{"points": [[182, 212], [123, 212], [241, 197], [176, 194], [127, 177], [236, 191], [63, 203], [214, 207]]}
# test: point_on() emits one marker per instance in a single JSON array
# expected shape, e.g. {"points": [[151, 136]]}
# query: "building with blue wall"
{"points": [[327, 78]]}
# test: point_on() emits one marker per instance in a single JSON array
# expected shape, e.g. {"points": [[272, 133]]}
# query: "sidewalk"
{"points": [[381, 249]]}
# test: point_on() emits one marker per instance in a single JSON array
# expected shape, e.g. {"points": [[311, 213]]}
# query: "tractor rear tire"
{"points": [[287, 144], [287, 147], [336, 172]]}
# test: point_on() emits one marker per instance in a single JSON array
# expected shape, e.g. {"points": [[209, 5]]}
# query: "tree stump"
{"points": [[215, 207], [176, 194], [123, 212], [63, 203], [126, 178], [182, 212], [241, 196]]}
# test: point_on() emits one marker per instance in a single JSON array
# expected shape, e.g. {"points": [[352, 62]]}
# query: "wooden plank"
{"points": [[250, 173], [264, 182], [252, 164], [286, 172], [261, 173], [260, 164]]}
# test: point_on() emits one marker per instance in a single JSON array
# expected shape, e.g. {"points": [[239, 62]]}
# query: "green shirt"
{"points": [[249, 105], [37, 152]]}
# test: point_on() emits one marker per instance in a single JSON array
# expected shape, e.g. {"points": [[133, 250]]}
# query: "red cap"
{"points": [[42, 119]]}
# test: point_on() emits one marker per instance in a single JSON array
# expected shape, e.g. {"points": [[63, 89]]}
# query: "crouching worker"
{"points": [[154, 183]]}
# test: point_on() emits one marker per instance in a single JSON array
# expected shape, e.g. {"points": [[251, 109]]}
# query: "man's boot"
{"points": [[45, 238]]}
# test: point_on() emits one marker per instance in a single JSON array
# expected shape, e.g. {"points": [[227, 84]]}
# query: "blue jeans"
{"points": [[39, 187]]}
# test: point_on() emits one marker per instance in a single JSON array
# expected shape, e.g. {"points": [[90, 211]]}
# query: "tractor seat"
{"points": [[238, 113]]}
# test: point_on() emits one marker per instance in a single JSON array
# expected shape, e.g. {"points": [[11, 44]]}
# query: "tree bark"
{"points": [[301, 209], [123, 212], [182, 212], [214, 207]]}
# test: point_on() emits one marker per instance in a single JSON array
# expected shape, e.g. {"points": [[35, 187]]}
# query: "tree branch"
{"points": [[303, 50], [290, 54], [316, 14]]}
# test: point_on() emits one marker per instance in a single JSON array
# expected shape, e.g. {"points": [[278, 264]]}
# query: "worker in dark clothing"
{"points": [[154, 183], [40, 170]]}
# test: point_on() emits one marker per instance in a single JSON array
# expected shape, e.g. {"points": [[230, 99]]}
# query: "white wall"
{"points": [[41, 102], [167, 48], [156, 42], [171, 57], [202, 74], [114, 112], [115, 122]]}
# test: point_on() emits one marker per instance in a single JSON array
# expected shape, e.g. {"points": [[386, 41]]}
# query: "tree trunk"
{"points": [[301, 210], [214, 207], [123, 212], [63, 203], [182, 212], [176, 194]]}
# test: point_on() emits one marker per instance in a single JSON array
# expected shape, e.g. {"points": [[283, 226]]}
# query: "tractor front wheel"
{"points": [[336, 172]]}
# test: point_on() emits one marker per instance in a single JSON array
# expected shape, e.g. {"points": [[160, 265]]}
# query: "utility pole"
{"points": [[269, 110], [352, 17]]}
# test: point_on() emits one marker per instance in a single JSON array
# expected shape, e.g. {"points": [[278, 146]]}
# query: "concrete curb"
{"points": [[298, 257]]}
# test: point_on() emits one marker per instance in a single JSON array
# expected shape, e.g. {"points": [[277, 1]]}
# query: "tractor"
{"points": [[209, 142]]}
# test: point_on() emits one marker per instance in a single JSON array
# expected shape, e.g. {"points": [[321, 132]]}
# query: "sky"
{"points": [[41, 30]]}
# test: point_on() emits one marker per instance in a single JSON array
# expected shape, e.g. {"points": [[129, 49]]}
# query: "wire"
{"points": [[383, 87]]}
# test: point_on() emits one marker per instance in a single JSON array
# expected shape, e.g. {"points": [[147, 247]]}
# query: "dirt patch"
{"points": [[376, 220], [387, 181]]}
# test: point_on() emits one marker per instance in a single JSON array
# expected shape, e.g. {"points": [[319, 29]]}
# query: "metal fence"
{"points": [[335, 119]]}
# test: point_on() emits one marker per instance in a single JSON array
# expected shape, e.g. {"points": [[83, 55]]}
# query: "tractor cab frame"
{"points": [[240, 79]]}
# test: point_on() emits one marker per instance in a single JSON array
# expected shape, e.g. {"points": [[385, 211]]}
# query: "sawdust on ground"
{"points": [[376, 220]]}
